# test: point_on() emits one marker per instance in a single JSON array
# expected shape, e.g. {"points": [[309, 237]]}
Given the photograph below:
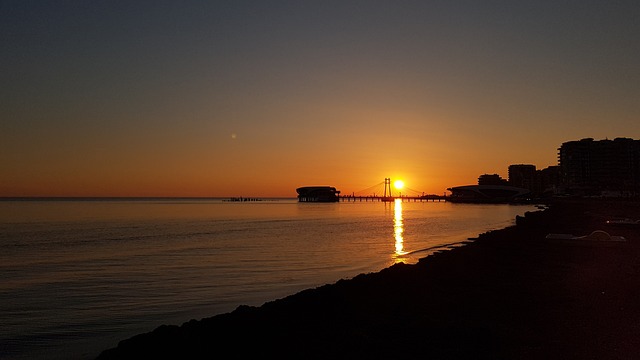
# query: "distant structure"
{"points": [[318, 194], [607, 168], [604, 167], [491, 179], [541, 183], [522, 175], [547, 181], [242, 199], [387, 185], [491, 188], [487, 194]]}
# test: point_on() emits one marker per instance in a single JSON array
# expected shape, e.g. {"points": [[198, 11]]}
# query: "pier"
{"points": [[403, 198], [380, 192]]}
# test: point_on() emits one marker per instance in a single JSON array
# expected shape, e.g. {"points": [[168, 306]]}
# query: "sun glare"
{"points": [[399, 184]]}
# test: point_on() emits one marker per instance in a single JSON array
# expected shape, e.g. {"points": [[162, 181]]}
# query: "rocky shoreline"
{"points": [[510, 294]]}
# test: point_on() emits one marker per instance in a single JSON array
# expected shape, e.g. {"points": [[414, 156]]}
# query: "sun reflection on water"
{"points": [[398, 230]]}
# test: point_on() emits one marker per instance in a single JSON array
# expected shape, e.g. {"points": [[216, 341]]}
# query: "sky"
{"points": [[257, 98]]}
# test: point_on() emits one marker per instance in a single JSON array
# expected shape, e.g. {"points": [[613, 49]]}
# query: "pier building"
{"points": [[318, 194]]}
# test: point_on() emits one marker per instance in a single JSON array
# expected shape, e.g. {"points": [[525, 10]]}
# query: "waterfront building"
{"points": [[548, 181], [539, 182], [593, 167], [491, 188], [318, 194], [487, 194], [491, 179], [522, 175]]}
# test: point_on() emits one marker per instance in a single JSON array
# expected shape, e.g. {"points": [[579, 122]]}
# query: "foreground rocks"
{"points": [[511, 294]]}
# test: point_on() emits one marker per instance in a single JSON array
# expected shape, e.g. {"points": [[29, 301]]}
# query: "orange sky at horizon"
{"points": [[241, 172], [255, 99], [233, 164]]}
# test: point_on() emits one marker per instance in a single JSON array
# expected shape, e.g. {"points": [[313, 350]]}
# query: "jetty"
{"points": [[393, 198], [242, 199], [380, 192]]}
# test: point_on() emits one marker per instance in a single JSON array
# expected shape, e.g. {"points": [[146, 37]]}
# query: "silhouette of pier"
{"points": [[393, 198], [382, 192]]}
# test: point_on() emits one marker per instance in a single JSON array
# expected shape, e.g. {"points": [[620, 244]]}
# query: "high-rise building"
{"points": [[600, 165], [522, 175], [539, 182], [548, 180]]}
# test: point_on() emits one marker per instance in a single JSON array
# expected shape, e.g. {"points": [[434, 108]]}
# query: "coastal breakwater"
{"points": [[511, 293]]}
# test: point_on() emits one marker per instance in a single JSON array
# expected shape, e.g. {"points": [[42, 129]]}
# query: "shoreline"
{"points": [[511, 293]]}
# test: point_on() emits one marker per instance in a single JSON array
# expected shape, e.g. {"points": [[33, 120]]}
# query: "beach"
{"points": [[509, 294]]}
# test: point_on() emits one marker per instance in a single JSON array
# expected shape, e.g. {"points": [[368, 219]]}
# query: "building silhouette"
{"points": [[591, 167], [491, 179], [585, 167], [548, 181], [545, 182], [318, 194], [522, 175]]}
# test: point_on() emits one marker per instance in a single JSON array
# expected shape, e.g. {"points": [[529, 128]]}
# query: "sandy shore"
{"points": [[511, 294]]}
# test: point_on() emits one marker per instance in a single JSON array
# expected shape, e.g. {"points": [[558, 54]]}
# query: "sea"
{"points": [[79, 275]]}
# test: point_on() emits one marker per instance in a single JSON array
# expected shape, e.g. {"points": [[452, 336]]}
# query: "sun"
{"points": [[398, 184]]}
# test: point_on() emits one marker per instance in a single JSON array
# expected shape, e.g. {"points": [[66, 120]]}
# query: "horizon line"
{"points": [[10, 198]]}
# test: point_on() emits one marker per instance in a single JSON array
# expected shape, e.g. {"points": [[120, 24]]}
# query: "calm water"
{"points": [[78, 276]]}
